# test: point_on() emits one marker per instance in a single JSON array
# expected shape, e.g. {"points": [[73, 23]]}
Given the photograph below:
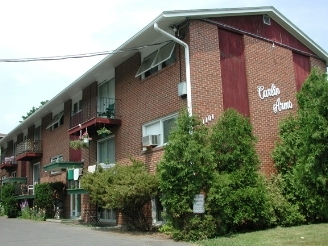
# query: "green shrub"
{"points": [[185, 169], [47, 196], [197, 227], [239, 207], [286, 213], [9, 202], [2, 209]]}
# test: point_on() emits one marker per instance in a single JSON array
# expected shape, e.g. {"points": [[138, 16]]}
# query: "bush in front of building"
{"points": [[9, 202], [301, 155], [222, 163], [238, 195], [186, 170], [47, 198], [125, 188]]}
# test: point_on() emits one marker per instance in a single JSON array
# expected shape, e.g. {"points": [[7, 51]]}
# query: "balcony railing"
{"points": [[8, 162], [8, 159], [29, 149], [98, 107]]}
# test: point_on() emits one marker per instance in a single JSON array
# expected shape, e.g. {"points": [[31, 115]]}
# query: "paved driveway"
{"points": [[28, 233]]}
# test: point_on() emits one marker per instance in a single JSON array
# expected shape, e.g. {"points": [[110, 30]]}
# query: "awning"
{"points": [[24, 197], [60, 166], [14, 180], [76, 191], [55, 120]]}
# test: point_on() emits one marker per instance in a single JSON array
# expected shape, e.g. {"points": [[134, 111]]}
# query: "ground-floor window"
{"points": [[157, 210], [107, 215]]}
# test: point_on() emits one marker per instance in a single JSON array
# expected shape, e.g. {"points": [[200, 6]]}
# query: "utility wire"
{"points": [[56, 58]]}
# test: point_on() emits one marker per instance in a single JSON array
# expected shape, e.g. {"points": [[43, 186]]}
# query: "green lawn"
{"points": [[298, 235]]}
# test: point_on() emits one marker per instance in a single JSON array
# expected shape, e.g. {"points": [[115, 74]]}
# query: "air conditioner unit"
{"points": [[150, 141]]}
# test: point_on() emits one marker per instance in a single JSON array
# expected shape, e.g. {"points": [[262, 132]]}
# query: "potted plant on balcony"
{"points": [[103, 132]]}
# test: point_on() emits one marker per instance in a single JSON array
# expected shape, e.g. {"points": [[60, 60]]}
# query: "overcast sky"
{"points": [[55, 28]]}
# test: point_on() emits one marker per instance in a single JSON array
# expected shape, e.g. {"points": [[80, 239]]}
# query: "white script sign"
{"points": [[272, 92]]}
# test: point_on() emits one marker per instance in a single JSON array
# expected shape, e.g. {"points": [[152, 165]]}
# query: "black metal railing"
{"points": [[29, 146], [96, 107]]}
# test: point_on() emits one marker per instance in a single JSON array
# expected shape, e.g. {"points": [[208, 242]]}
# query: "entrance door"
{"points": [[75, 205]]}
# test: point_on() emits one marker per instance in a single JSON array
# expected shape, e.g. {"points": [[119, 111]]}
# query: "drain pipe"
{"points": [[187, 64]]}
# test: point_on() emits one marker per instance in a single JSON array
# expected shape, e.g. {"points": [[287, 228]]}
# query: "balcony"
{"points": [[29, 150], [8, 162], [99, 110]]}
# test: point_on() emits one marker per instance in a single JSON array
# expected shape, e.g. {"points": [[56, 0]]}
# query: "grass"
{"points": [[298, 235]]}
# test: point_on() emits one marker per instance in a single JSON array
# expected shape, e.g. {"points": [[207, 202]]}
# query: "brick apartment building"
{"points": [[250, 59]]}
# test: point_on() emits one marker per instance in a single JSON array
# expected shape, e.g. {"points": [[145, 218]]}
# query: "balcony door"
{"points": [[106, 95], [36, 173]]}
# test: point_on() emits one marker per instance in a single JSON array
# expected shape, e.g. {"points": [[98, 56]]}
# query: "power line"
{"points": [[85, 55]]}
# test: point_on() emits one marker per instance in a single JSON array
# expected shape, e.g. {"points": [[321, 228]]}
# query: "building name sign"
{"points": [[274, 91]]}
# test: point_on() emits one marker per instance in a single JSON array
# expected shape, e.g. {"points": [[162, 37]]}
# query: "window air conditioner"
{"points": [[150, 141]]}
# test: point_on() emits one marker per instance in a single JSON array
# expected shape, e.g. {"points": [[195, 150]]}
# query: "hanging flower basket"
{"points": [[103, 132], [82, 142]]}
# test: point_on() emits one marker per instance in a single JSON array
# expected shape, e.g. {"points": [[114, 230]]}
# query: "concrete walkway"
{"points": [[28, 233]]}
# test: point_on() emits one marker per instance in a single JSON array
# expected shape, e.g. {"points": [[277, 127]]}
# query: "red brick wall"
{"points": [[143, 101], [206, 83], [266, 65], [318, 64]]}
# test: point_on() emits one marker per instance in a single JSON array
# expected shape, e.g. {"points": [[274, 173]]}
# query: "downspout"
{"points": [[187, 64]]}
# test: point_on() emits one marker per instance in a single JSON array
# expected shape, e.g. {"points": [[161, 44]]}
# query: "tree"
{"points": [[28, 114], [301, 155], [185, 169], [238, 196], [124, 188]]}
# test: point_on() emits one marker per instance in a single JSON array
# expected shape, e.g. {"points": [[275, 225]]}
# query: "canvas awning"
{"points": [[60, 166], [55, 120]]}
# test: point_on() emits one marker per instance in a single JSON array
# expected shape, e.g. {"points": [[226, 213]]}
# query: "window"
{"points": [[107, 215], [3, 179], [13, 174], [77, 107], [160, 127], [157, 210], [57, 121], [157, 60], [106, 151], [37, 133]]}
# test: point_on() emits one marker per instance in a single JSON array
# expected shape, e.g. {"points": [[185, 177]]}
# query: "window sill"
{"points": [[155, 149]]}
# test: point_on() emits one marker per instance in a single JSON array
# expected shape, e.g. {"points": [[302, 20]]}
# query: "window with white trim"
{"points": [[161, 127], [156, 61], [157, 210]]}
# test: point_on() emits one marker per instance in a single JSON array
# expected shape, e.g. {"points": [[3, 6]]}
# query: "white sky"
{"points": [[38, 28]]}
